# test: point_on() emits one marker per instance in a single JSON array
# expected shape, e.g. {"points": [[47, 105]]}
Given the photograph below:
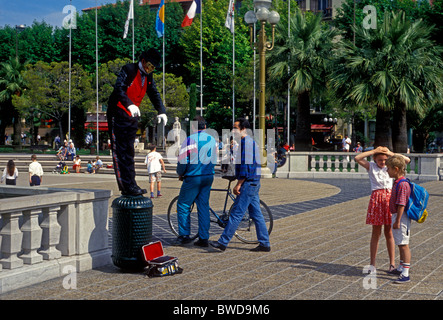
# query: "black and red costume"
{"points": [[131, 86]]}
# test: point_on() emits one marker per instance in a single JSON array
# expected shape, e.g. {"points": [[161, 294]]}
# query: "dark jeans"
{"points": [[35, 181]]}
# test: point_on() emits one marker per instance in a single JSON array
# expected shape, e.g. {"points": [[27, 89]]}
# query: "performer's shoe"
{"points": [[134, 191]]}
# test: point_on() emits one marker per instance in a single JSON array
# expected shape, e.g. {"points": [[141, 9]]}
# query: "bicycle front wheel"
{"points": [[246, 231], [173, 220]]}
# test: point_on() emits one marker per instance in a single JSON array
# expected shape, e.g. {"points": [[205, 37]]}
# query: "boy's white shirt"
{"points": [[153, 162]]}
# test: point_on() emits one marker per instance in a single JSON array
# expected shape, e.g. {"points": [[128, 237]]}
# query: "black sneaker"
{"points": [[201, 243], [261, 248], [217, 245], [182, 240]]}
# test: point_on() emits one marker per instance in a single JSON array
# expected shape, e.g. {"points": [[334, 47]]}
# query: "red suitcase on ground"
{"points": [[159, 265]]}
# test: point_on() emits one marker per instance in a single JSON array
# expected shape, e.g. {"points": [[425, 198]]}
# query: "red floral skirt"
{"points": [[378, 208]]}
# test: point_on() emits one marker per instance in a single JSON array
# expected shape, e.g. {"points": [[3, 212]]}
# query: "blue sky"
{"points": [[16, 12]]}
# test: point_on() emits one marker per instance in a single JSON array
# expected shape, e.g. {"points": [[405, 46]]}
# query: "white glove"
{"points": [[134, 110], [163, 117]]}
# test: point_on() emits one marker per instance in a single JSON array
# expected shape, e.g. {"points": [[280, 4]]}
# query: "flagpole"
{"points": [[254, 93], [70, 45], [201, 58], [164, 91], [133, 33], [289, 91], [233, 68], [96, 73]]}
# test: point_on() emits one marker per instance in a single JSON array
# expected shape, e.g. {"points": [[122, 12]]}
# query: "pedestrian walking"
{"points": [[346, 143], [35, 172], [133, 82], [10, 174], [401, 223], [155, 165], [196, 160], [247, 191], [378, 213]]}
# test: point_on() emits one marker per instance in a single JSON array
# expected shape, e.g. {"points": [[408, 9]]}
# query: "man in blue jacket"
{"points": [[247, 172], [196, 160]]}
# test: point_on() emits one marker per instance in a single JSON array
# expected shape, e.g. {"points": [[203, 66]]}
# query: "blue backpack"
{"points": [[418, 200]]}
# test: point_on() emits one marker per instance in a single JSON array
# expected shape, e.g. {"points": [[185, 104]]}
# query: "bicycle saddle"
{"points": [[229, 178]]}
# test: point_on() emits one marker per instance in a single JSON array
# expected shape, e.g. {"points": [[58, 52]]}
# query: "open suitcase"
{"points": [[159, 265]]}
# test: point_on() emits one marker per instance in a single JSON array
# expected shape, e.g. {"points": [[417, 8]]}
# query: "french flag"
{"points": [[193, 9]]}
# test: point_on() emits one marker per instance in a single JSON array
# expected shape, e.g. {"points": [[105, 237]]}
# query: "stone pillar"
{"points": [[11, 240], [51, 234], [32, 236]]}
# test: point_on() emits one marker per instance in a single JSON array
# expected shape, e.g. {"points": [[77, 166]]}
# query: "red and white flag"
{"points": [[229, 23], [195, 8], [130, 16]]}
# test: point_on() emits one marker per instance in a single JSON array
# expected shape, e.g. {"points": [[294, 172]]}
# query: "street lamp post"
{"points": [[17, 28], [263, 15]]}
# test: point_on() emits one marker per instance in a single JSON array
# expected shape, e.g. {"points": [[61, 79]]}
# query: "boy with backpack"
{"points": [[401, 223]]}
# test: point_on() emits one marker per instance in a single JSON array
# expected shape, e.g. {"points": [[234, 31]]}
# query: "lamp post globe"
{"points": [[250, 17], [274, 17], [262, 4], [262, 14]]}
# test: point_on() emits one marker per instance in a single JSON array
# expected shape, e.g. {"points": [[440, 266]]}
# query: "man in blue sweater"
{"points": [[247, 172], [196, 160]]}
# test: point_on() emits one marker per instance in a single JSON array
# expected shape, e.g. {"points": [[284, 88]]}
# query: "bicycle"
{"points": [[245, 231]]}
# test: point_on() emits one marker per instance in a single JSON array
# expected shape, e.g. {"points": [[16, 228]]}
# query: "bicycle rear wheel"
{"points": [[173, 221], [246, 231]]}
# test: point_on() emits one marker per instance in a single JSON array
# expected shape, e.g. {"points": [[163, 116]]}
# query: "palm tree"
{"points": [[396, 67], [11, 83], [306, 54]]}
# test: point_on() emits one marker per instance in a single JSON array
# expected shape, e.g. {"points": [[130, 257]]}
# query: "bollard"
{"points": [[131, 229]]}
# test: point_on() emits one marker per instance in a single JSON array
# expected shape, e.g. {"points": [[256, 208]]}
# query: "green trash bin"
{"points": [[131, 230]]}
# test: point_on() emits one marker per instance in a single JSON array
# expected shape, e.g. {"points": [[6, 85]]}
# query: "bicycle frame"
{"points": [[228, 194]]}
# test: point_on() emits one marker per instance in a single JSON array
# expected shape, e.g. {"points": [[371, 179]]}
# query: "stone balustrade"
{"points": [[343, 165], [43, 230]]}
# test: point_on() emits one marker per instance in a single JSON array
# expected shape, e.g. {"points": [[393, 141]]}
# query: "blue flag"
{"points": [[160, 20]]}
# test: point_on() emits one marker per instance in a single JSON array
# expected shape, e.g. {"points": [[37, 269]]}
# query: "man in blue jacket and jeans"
{"points": [[247, 172], [196, 160]]}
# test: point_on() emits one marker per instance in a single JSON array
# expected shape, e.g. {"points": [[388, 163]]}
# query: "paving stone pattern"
{"points": [[320, 245]]}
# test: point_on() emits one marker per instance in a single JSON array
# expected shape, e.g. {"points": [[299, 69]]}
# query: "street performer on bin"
{"points": [[133, 82]]}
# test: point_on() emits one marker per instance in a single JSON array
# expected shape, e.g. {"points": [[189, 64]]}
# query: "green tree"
{"points": [[395, 67], [192, 100], [48, 94], [12, 84], [349, 9], [217, 52], [306, 53]]}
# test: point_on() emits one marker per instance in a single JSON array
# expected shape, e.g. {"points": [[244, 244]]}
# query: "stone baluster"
{"points": [[352, 163], [32, 237], [11, 240], [337, 163], [345, 163], [51, 234], [412, 164], [313, 163], [321, 164], [329, 163]]}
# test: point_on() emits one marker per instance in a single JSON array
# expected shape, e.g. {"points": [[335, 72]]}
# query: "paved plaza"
{"points": [[320, 246]]}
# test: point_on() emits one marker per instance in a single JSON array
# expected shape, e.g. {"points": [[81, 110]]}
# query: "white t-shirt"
{"points": [[35, 168], [346, 143], [379, 177], [153, 162]]}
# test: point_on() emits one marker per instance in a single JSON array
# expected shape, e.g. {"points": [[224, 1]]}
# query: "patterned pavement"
{"points": [[320, 246]]}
